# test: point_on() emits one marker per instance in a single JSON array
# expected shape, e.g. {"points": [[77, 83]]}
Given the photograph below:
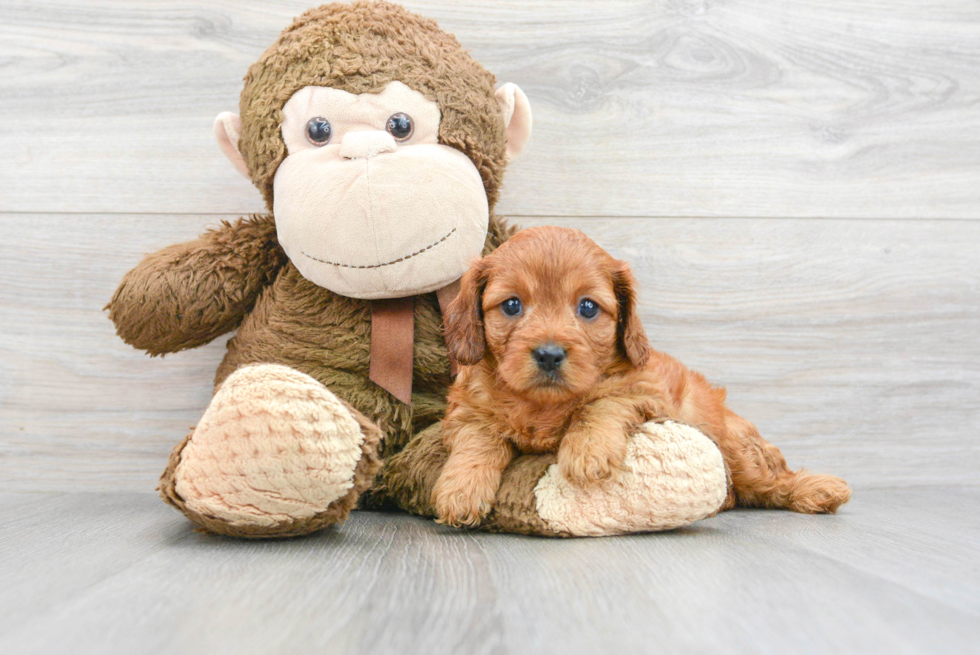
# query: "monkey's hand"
{"points": [[186, 295]]}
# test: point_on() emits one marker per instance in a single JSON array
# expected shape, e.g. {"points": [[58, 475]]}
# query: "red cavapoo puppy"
{"points": [[555, 359]]}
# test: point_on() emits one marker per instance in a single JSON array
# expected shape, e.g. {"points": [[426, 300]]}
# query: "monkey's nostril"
{"points": [[549, 357]]}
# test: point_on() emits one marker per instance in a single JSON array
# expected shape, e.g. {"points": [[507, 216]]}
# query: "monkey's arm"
{"points": [[187, 294]]}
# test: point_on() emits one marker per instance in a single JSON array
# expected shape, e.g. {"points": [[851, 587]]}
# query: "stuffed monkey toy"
{"points": [[379, 147]]}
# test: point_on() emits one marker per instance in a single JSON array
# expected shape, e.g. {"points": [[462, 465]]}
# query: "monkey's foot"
{"points": [[673, 475], [276, 454]]}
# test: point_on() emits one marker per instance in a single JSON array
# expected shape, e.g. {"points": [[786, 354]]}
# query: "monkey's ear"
{"points": [[632, 337], [227, 130], [517, 118], [464, 317]]}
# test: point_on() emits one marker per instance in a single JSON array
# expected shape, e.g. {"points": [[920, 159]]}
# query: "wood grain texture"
{"points": [[851, 344], [800, 108], [895, 572]]}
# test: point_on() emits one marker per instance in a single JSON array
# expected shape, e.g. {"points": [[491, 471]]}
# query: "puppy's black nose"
{"points": [[549, 357]]}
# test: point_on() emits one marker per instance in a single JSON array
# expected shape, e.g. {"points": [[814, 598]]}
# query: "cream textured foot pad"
{"points": [[274, 446], [673, 475]]}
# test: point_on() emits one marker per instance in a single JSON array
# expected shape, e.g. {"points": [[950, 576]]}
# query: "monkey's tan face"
{"points": [[368, 203]]}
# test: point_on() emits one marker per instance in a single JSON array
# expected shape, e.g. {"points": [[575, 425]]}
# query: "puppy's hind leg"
{"points": [[761, 477]]}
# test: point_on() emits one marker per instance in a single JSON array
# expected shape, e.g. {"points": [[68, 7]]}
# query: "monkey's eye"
{"points": [[318, 131], [588, 308], [511, 307], [400, 126]]}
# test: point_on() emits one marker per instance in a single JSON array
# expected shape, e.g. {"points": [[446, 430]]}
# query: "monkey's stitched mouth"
{"points": [[394, 261]]}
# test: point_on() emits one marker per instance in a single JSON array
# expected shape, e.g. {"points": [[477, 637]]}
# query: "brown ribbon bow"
{"points": [[393, 339]]}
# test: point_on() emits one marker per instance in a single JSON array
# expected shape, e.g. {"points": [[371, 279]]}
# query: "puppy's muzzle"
{"points": [[549, 357]]}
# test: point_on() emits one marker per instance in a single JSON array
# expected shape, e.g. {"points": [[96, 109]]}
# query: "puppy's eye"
{"points": [[400, 126], [588, 308], [318, 131], [511, 307]]}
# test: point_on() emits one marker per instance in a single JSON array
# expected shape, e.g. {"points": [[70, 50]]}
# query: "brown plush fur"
{"points": [[159, 307], [238, 276], [610, 382], [187, 294], [360, 48]]}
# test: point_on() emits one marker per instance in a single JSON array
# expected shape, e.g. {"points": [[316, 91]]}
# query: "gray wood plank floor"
{"points": [[896, 572]]}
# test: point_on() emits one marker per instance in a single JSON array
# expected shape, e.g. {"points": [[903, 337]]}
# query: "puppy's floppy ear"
{"points": [[632, 338], [464, 316]]}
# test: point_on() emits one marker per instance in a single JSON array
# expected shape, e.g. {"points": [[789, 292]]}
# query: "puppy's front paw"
{"points": [[460, 506], [585, 461]]}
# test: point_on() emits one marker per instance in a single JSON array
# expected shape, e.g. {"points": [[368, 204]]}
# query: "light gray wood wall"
{"points": [[796, 182]]}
